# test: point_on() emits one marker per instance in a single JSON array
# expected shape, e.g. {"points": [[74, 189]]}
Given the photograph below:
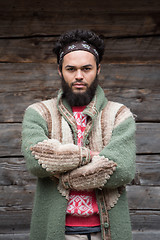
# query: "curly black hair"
{"points": [[79, 35]]}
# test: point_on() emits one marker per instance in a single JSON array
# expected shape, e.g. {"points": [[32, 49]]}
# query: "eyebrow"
{"points": [[87, 65]]}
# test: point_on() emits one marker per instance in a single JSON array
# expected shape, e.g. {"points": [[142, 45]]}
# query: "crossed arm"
{"points": [[79, 168]]}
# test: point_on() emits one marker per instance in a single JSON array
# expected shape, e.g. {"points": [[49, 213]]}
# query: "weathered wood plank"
{"points": [[15, 77], [143, 197], [122, 6], [144, 103], [15, 236], [14, 221], [147, 235], [132, 50], [145, 220], [148, 169], [136, 236], [51, 20], [39, 49], [137, 76], [28, 77], [147, 138], [14, 104], [17, 198], [11, 141], [13, 171]]}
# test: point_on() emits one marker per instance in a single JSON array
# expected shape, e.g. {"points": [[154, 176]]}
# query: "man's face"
{"points": [[79, 70]]}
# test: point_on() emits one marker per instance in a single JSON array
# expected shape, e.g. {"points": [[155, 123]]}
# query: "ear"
{"points": [[98, 69], [59, 72]]}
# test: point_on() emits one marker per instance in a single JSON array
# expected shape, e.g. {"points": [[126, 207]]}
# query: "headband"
{"points": [[78, 46]]}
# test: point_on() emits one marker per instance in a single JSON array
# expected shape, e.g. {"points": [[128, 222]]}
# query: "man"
{"points": [[81, 148]]}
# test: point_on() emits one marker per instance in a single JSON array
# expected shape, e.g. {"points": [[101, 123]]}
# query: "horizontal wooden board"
{"points": [[15, 77], [130, 76], [144, 103], [147, 139], [107, 6], [148, 169], [147, 235], [14, 221], [11, 141], [136, 236], [147, 136], [15, 236], [13, 171], [29, 77], [143, 197], [17, 198], [145, 220], [39, 50], [44, 19]]}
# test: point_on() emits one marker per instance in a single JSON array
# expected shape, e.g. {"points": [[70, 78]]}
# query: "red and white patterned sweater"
{"points": [[82, 209]]}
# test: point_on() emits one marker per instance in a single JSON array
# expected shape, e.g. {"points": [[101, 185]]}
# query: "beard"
{"points": [[79, 99]]}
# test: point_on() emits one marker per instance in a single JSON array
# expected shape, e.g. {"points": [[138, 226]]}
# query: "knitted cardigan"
{"points": [[49, 145]]}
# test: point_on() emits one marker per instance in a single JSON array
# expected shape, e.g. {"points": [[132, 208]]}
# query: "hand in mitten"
{"points": [[93, 175], [56, 157]]}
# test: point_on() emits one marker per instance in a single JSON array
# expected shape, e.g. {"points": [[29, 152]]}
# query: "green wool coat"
{"points": [[118, 126]]}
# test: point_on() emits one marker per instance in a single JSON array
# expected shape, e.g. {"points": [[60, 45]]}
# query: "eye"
{"points": [[86, 69]]}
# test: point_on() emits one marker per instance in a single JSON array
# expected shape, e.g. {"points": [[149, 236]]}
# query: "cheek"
{"points": [[66, 76], [91, 78]]}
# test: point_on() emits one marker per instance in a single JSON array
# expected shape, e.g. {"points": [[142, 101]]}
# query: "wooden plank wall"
{"points": [[130, 74]]}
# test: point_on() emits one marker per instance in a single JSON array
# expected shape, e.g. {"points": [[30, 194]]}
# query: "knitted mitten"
{"points": [[93, 175], [57, 157]]}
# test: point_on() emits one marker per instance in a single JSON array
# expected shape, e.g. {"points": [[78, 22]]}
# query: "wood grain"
{"points": [[148, 169], [136, 235], [128, 21], [143, 197], [13, 171], [145, 220], [117, 50]]}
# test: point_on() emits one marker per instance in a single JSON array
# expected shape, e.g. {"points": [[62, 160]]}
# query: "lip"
{"points": [[79, 85]]}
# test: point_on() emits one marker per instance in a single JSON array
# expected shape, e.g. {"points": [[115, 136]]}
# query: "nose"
{"points": [[79, 75]]}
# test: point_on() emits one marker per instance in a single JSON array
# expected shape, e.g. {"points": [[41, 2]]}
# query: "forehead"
{"points": [[79, 58]]}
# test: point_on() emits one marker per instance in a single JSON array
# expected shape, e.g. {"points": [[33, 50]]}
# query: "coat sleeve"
{"points": [[122, 150], [45, 156]]}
